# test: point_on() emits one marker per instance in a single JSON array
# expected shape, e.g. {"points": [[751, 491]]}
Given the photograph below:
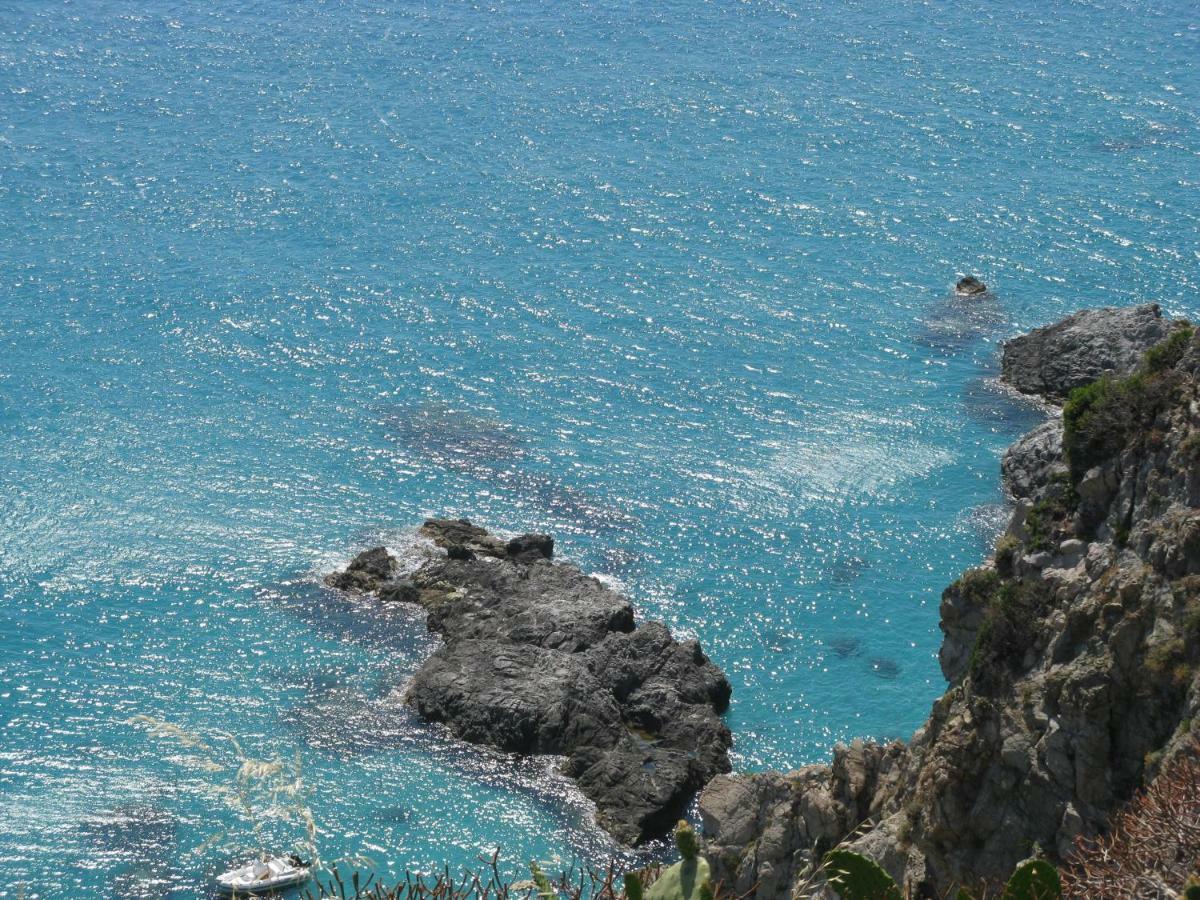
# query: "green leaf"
{"points": [[633, 886], [1034, 879], [686, 840], [545, 890], [686, 880], [854, 877]]}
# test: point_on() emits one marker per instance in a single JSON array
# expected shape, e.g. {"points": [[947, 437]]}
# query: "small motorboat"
{"points": [[264, 875]]}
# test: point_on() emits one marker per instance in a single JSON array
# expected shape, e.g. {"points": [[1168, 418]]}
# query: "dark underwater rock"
{"points": [[882, 667], [539, 658], [845, 646], [1052, 361]]}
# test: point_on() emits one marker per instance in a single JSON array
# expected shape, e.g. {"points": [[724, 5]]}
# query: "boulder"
{"points": [[970, 286], [401, 590], [1052, 361], [447, 533], [529, 547], [366, 573]]}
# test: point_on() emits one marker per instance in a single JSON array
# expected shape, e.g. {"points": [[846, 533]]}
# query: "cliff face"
{"points": [[1071, 656]]}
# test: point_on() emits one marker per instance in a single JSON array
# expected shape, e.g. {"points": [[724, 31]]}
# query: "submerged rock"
{"points": [[540, 658], [1052, 361]]}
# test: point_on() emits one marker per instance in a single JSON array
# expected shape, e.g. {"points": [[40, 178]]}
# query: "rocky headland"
{"points": [[1072, 655], [539, 658]]}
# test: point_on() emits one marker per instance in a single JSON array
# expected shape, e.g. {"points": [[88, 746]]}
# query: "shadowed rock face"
{"points": [[1052, 361], [1030, 463], [1073, 661], [540, 658]]}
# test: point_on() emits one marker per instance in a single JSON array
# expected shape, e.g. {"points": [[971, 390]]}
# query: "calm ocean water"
{"points": [[670, 281]]}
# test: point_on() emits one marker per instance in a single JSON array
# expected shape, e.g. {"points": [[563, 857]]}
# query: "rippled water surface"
{"points": [[668, 280]]}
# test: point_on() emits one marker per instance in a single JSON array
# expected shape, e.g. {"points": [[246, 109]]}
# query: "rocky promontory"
{"points": [[1052, 361], [1072, 656], [539, 658]]}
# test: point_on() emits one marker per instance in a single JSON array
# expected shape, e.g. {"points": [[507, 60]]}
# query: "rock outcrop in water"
{"points": [[1052, 361], [970, 286], [540, 658], [1073, 656]]}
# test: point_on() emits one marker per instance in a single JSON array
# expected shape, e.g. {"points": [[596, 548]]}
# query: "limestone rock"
{"points": [[1052, 361]]}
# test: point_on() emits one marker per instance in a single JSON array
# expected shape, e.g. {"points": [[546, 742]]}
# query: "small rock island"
{"points": [[539, 658], [970, 286]]}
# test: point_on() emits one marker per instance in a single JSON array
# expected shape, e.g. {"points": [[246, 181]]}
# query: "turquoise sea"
{"points": [[669, 280]]}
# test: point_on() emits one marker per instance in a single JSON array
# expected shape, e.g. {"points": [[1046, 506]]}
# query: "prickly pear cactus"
{"points": [[854, 877], [688, 879], [1034, 879], [633, 886], [545, 890]]}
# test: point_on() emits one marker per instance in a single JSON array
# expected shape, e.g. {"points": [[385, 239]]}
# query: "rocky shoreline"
{"points": [[539, 658], [1071, 654]]}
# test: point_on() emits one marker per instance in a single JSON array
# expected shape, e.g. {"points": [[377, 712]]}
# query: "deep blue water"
{"points": [[670, 281]]}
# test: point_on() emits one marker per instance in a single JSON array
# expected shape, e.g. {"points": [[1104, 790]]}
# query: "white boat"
{"points": [[261, 876]]}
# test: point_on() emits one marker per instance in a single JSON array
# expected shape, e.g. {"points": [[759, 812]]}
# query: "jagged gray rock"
{"points": [[1052, 361], [969, 286], [1074, 668], [540, 658], [1029, 464], [366, 573]]}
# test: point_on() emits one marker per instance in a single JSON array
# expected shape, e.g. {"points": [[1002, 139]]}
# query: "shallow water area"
{"points": [[673, 283]]}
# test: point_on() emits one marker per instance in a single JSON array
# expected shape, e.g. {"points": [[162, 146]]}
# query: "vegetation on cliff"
{"points": [[1073, 656]]}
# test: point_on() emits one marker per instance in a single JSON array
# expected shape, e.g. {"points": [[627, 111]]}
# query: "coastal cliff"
{"points": [[1071, 655]]}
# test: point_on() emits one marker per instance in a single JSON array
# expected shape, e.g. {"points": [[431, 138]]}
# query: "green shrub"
{"points": [[1096, 422], [1190, 447], [977, 586], [1100, 418], [1169, 662], [1007, 631], [1167, 354], [1006, 553], [1049, 520]]}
